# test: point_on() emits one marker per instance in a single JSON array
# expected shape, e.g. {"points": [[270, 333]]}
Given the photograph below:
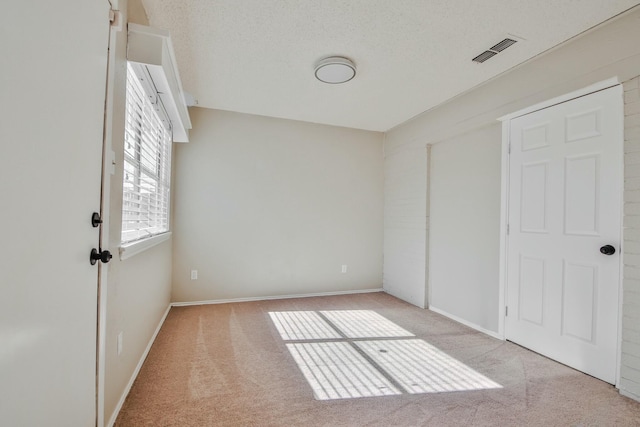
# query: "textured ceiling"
{"points": [[258, 56]]}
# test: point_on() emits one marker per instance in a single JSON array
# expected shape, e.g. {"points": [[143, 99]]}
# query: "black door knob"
{"points": [[104, 256], [96, 220], [608, 250]]}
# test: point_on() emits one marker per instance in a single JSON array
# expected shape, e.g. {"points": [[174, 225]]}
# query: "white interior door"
{"points": [[52, 106], [565, 200]]}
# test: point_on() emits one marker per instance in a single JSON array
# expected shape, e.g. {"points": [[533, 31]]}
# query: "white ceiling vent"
{"points": [[503, 45], [494, 50], [484, 56]]}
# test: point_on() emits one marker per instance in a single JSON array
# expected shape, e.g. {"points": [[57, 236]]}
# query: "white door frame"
{"points": [[504, 207], [108, 164]]}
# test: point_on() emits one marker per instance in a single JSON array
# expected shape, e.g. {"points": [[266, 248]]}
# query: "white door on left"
{"points": [[52, 89]]}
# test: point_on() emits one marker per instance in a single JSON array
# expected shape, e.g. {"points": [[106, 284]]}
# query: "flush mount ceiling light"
{"points": [[335, 70]]}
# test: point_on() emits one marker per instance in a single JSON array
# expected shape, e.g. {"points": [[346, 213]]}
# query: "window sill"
{"points": [[130, 249]]}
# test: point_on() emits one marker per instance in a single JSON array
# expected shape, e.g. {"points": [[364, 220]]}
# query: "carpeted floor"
{"points": [[227, 365]]}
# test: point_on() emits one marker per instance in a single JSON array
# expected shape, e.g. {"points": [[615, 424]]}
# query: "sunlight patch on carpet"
{"points": [[422, 368], [364, 324], [335, 370], [302, 325], [347, 354]]}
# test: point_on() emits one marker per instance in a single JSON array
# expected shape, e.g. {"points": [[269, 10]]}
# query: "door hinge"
{"points": [[506, 310], [509, 149], [507, 229], [115, 18]]}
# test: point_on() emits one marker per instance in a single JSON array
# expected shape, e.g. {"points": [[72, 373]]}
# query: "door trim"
{"points": [[504, 207], [596, 87], [108, 162]]}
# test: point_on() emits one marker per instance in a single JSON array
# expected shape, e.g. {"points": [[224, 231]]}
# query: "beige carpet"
{"points": [[227, 365]]}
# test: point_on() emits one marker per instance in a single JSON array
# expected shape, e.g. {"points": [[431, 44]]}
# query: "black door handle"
{"points": [[104, 256], [96, 220], [608, 250]]}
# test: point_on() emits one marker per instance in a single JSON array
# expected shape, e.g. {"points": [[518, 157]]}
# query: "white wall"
{"points": [[139, 288], [267, 207], [630, 378], [405, 224], [464, 239], [609, 51]]}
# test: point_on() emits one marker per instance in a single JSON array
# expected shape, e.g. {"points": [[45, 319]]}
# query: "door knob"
{"points": [[104, 256], [96, 220], [608, 250]]}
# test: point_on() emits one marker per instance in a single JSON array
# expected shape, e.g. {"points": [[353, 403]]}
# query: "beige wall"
{"points": [[139, 288], [465, 226], [609, 51], [405, 225], [630, 381], [267, 207]]}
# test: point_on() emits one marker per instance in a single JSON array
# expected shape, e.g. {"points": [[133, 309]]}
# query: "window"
{"points": [[147, 160]]}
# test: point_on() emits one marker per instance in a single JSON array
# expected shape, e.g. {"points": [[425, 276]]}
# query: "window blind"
{"points": [[147, 160]]}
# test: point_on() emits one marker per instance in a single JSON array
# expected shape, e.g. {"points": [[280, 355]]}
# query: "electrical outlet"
{"points": [[344, 268], [194, 274], [119, 343]]}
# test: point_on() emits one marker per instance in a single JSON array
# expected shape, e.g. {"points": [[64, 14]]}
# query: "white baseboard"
{"points": [[467, 323], [629, 394], [265, 298], [127, 389]]}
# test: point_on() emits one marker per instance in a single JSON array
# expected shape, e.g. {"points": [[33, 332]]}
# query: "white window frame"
{"points": [[147, 165]]}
